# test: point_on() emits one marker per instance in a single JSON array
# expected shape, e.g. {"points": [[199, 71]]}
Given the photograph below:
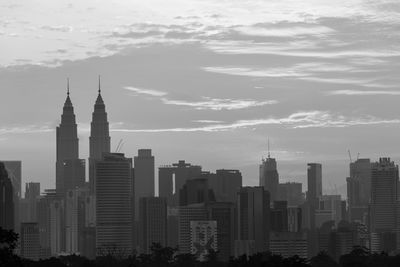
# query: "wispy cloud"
{"points": [[145, 91], [298, 120], [251, 72], [219, 104], [207, 121], [362, 92], [25, 129], [284, 31]]}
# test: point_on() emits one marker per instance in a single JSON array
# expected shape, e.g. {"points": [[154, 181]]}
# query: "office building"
{"points": [[279, 217], [14, 170], [152, 223], [196, 191], [30, 242], [203, 238], [114, 204], [294, 219], [6, 200], [99, 140], [144, 177], [32, 194], [314, 191], [225, 184], [289, 244], [269, 177], [291, 192], [253, 216]]}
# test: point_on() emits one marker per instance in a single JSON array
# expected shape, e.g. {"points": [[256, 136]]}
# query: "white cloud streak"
{"points": [[284, 31], [303, 119], [25, 129], [362, 93], [145, 91], [219, 104]]}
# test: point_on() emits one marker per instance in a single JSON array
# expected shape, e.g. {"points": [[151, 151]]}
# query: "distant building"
{"points": [[253, 216], [289, 244], [114, 205], [195, 191], [30, 242], [294, 219], [99, 140], [144, 177], [331, 203], [279, 217], [14, 170], [6, 200], [57, 226], [225, 184], [153, 222], [291, 192], [195, 212], [203, 238], [172, 227], [32, 194], [314, 191], [269, 177], [172, 178]]}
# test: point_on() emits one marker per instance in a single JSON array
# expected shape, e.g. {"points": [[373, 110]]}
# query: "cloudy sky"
{"points": [[206, 81]]}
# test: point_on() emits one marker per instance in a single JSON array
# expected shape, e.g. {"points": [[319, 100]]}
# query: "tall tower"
{"points": [[99, 136], [69, 169], [269, 177], [144, 177]]}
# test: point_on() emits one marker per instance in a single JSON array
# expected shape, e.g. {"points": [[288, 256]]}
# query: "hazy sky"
{"points": [[205, 81]]}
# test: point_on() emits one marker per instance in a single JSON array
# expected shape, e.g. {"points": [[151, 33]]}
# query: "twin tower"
{"points": [[70, 169]]}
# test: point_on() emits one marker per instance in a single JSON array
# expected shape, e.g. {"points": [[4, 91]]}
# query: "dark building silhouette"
{"points": [[153, 222], [70, 170], [359, 189], [196, 191], [30, 241], [144, 176], [99, 140], [291, 192], [253, 216], [14, 170], [279, 217], [269, 177], [172, 178], [114, 204], [225, 184], [6, 200], [28, 207]]}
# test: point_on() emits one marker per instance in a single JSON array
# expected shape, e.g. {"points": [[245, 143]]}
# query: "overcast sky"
{"points": [[206, 81]]}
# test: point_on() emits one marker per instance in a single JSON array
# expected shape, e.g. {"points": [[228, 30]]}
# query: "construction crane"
{"points": [[119, 146], [351, 161]]}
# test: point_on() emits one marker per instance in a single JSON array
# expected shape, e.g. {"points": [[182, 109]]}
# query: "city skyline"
{"points": [[317, 78]]}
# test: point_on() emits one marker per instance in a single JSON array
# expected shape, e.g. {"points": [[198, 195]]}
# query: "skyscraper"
{"points": [[253, 216], [225, 184], [314, 181], [114, 204], [384, 182], [30, 242], [153, 222], [99, 140], [6, 200], [144, 176], [32, 194], [14, 170], [70, 170], [269, 177]]}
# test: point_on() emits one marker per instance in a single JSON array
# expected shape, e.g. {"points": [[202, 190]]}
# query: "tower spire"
{"points": [[67, 86], [99, 85]]}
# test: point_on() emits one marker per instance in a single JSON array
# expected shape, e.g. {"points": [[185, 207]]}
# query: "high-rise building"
{"points": [[99, 140], [203, 238], [291, 192], [359, 189], [195, 191], [172, 178], [6, 200], [279, 217], [225, 184], [194, 212], [294, 219], [289, 244], [153, 222], [14, 171], [332, 203], [32, 194], [314, 191], [144, 177], [57, 226], [224, 214], [70, 170], [114, 204], [384, 180], [253, 216], [269, 177], [30, 242]]}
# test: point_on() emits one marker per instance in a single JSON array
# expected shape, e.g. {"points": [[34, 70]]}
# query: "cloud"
{"points": [[145, 91], [207, 121], [25, 129], [251, 72], [284, 31], [298, 120], [219, 104], [362, 92]]}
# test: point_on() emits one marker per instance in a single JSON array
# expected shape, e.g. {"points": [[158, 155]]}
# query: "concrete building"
{"points": [[253, 216], [6, 200], [291, 192], [289, 244], [144, 177], [32, 194], [172, 178], [195, 191], [30, 242], [279, 217], [14, 170], [225, 184], [152, 223], [203, 238], [194, 212], [314, 191], [269, 177], [99, 140], [114, 204], [294, 219]]}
